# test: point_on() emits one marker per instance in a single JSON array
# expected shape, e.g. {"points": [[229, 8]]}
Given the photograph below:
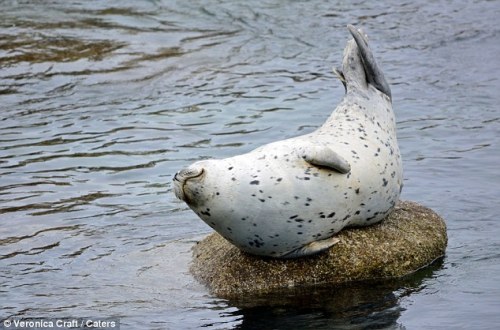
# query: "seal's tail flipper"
{"points": [[338, 72], [374, 75], [312, 248]]}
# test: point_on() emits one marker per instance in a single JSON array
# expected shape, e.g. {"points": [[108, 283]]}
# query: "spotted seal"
{"points": [[288, 198]]}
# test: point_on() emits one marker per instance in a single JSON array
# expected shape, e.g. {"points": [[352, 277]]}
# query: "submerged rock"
{"points": [[410, 238]]}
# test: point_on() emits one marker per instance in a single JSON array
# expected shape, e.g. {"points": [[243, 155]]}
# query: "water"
{"points": [[102, 102]]}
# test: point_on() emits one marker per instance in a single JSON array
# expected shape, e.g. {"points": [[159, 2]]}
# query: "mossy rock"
{"points": [[410, 238]]}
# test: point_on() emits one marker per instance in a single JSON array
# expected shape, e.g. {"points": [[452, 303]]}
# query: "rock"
{"points": [[410, 238]]}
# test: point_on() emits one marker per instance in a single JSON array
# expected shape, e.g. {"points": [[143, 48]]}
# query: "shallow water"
{"points": [[101, 103]]}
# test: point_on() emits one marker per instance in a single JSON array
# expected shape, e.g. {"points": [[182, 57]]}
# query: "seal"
{"points": [[289, 198]]}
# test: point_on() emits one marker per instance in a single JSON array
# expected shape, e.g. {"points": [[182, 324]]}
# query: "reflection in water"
{"points": [[358, 305], [102, 102], [49, 49]]}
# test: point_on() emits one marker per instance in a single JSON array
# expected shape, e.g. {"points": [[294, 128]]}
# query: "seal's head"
{"points": [[201, 183], [187, 183]]}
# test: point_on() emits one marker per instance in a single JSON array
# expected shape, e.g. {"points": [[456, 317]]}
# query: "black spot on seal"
{"points": [[206, 212]]}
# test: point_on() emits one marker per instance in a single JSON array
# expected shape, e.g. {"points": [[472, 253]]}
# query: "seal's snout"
{"points": [[182, 177], [188, 173]]}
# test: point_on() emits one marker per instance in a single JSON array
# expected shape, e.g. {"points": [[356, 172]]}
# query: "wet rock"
{"points": [[410, 238]]}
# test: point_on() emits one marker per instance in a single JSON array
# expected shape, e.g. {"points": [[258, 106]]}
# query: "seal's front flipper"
{"points": [[374, 75], [326, 157], [312, 248]]}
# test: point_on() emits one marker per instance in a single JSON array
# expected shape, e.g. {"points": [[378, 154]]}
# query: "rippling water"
{"points": [[101, 102]]}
